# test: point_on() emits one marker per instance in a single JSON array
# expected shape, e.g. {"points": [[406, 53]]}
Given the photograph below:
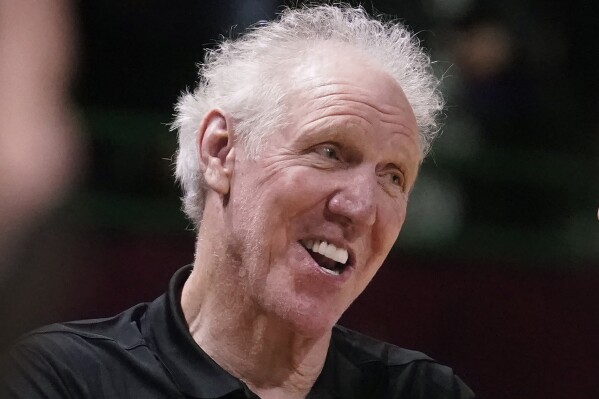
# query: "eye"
{"points": [[328, 151], [394, 179]]}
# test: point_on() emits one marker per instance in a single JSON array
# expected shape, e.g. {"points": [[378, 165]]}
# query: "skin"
{"points": [[341, 170], [40, 148]]}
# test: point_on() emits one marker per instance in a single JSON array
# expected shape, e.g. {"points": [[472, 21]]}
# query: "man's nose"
{"points": [[355, 199]]}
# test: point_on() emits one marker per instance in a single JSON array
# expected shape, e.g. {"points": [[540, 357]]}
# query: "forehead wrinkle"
{"points": [[405, 131], [387, 110], [340, 91], [309, 125], [341, 103], [397, 126], [309, 128], [347, 91]]}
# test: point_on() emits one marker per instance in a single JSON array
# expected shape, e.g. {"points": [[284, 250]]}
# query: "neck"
{"points": [[258, 348]]}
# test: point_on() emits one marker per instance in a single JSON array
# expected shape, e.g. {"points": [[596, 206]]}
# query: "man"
{"points": [[298, 150]]}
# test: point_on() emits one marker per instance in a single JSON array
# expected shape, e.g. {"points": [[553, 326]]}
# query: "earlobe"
{"points": [[215, 150]]}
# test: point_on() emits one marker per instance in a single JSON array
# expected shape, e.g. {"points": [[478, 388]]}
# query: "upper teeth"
{"points": [[327, 249]]}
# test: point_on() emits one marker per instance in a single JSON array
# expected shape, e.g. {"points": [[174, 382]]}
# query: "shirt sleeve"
{"points": [[29, 371], [462, 391], [427, 380]]}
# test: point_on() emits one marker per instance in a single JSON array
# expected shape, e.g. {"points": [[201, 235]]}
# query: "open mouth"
{"points": [[331, 259]]}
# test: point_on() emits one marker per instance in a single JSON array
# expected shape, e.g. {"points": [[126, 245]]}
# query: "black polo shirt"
{"points": [[147, 352]]}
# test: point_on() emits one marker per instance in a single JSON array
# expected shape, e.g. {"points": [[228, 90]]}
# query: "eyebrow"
{"points": [[330, 133], [385, 118]]}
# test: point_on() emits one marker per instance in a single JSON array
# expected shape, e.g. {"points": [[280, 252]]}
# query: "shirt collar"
{"points": [[197, 375], [340, 378], [166, 331]]}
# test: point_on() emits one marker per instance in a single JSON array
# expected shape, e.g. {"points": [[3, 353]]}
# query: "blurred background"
{"points": [[496, 272]]}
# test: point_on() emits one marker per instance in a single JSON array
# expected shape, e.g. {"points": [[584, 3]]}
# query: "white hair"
{"points": [[245, 78]]}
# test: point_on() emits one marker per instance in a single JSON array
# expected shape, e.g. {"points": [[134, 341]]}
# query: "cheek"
{"points": [[390, 218], [297, 192], [273, 204]]}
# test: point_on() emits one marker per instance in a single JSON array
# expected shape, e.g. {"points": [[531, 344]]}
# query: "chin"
{"points": [[311, 320]]}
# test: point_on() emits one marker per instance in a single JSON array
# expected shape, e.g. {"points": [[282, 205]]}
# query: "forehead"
{"points": [[336, 80]]}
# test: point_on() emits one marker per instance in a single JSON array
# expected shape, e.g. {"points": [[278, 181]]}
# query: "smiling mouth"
{"points": [[331, 259]]}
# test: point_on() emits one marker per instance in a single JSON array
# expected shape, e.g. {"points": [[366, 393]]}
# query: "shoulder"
{"points": [[120, 331], [52, 361], [365, 349], [406, 373]]}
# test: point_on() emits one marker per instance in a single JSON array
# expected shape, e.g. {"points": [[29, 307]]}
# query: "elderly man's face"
{"points": [[340, 173]]}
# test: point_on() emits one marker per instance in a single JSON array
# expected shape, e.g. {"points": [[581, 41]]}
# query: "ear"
{"points": [[215, 149]]}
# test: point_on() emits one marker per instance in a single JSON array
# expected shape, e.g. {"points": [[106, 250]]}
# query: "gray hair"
{"points": [[244, 77]]}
